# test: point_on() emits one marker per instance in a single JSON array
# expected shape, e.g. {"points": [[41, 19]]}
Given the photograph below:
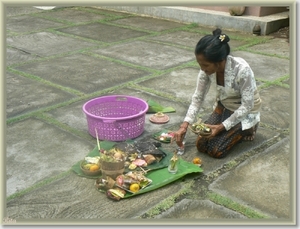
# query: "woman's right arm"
{"points": [[202, 87]]}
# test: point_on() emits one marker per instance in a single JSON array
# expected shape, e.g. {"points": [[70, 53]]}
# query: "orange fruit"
{"points": [[94, 167], [134, 187], [197, 161]]}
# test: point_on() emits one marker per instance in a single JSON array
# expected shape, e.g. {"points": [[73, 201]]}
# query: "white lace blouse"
{"points": [[238, 81]]}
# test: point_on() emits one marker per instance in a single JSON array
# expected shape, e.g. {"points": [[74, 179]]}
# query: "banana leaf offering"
{"points": [[149, 173], [139, 156]]}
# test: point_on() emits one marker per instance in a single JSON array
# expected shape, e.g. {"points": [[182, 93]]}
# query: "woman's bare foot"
{"points": [[251, 135]]}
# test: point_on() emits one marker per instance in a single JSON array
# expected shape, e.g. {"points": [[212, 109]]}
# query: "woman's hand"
{"points": [[179, 134], [215, 130]]}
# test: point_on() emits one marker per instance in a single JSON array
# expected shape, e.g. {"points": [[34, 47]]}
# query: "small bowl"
{"points": [[159, 118], [88, 172]]}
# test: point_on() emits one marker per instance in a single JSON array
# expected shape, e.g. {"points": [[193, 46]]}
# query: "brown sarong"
{"points": [[220, 145]]}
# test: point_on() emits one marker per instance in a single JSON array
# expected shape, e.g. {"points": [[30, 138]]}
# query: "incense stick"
{"points": [[98, 143]]}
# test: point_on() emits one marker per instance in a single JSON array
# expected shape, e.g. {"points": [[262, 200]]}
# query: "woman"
{"points": [[236, 111]]}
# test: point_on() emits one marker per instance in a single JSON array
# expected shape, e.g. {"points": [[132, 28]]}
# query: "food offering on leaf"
{"points": [[105, 184], [200, 129], [139, 162], [115, 193], [132, 166], [152, 148], [112, 162], [141, 154], [149, 158], [133, 161], [91, 166], [166, 136], [112, 155], [132, 181]]}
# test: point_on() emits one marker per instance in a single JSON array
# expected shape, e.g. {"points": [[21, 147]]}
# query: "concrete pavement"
{"points": [[58, 59]]}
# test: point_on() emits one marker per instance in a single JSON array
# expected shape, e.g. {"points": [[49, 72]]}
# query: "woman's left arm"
{"points": [[246, 85]]}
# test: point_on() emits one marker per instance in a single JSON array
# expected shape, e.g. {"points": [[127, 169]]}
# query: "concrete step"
{"points": [[211, 18]]}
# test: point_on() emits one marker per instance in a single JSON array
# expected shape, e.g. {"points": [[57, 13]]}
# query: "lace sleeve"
{"points": [[246, 88], [202, 87]]}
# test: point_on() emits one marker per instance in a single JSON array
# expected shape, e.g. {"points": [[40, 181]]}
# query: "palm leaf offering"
{"points": [[164, 135]]}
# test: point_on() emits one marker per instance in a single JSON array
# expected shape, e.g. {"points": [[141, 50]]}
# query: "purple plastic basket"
{"points": [[116, 117]]}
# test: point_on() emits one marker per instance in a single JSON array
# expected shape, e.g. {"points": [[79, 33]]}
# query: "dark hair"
{"points": [[215, 47]]}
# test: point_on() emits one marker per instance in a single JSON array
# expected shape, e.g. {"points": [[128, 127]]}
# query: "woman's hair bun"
{"points": [[223, 37], [217, 32]]}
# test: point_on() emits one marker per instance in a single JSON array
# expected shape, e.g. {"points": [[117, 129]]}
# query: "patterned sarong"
{"points": [[220, 145]]}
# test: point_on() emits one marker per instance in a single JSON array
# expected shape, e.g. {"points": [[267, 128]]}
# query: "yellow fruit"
{"points": [[134, 187], [197, 161], [94, 167]]}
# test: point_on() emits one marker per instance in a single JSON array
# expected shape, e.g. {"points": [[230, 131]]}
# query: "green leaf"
{"points": [[154, 107], [162, 177], [158, 174], [168, 110]]}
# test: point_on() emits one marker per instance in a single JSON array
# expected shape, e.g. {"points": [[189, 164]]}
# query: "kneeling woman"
{"points": [[235, 115]]}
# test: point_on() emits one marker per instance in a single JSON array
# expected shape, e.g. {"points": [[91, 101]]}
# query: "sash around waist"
{"points": [[233, 103]]}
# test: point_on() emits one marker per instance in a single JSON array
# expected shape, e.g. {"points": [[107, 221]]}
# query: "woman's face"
{"points": [[206, 66]]}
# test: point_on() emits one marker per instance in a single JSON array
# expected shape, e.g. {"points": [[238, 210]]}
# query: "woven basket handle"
{"points": [[119, 98]]}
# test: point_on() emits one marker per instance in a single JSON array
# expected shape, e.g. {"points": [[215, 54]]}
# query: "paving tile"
{"points": [[183, 38], [15, 56], [22, 24], [68, 15], [148, 23], [265, 67], [189, 39], [199, 209], [180, 83], [233, 34], [276, 47], [94, 74], [112, 33], [157, 56], [276, 107], [28, 161], [73, 116], [288, 81], [76, 198], [46, 44], [109, 12], [262, 182], [24, 95], [20, 10]]}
